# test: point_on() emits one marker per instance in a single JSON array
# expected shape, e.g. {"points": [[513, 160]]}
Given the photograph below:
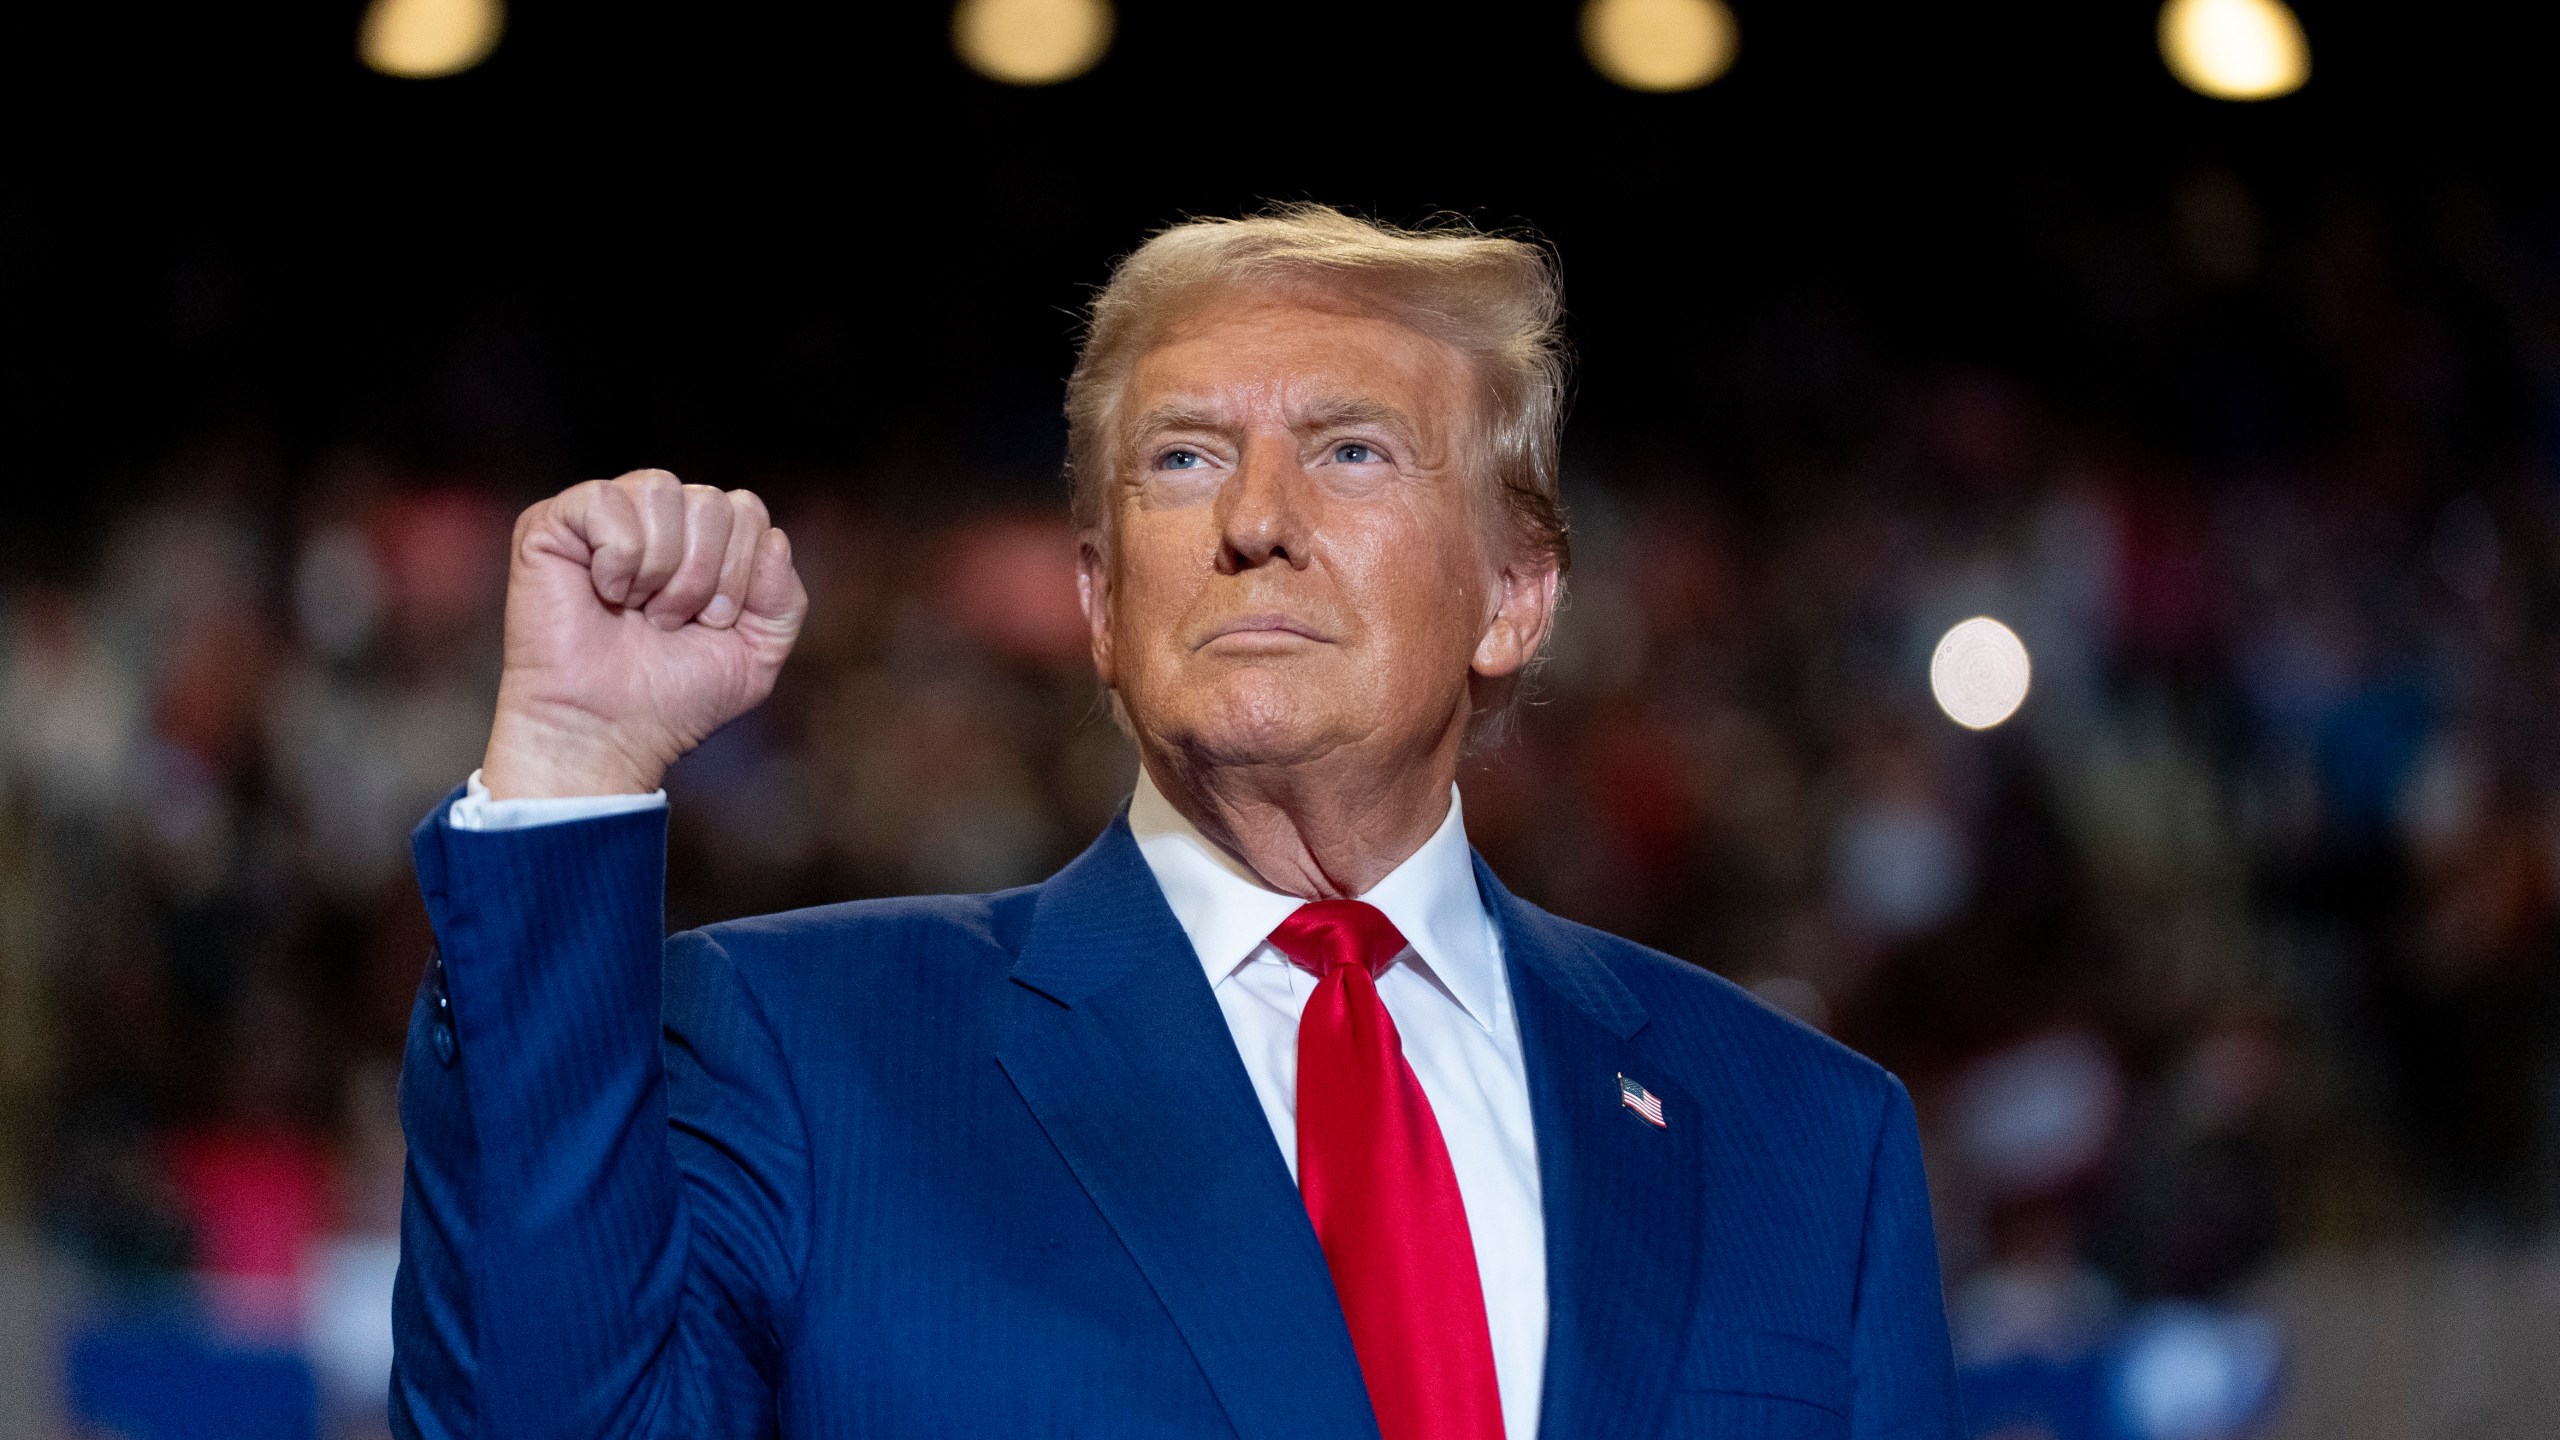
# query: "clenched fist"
{"points": [[642, 614]]}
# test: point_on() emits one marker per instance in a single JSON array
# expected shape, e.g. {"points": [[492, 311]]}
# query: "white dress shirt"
{"points": [[480, 810], [1452, 1005], [1447, 992]]}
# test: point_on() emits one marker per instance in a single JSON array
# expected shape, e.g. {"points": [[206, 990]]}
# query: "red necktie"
{"points": [[1378, 1184]]}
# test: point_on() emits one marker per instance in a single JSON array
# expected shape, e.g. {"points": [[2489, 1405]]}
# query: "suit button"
{"points": [[443, 1025]]}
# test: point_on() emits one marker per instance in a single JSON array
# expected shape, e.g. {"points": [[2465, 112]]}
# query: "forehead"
{"points": [[1254, 351]]}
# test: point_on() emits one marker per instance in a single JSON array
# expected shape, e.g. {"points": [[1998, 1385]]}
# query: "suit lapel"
{"points": [[1119, 1049], [1624, 1201]]}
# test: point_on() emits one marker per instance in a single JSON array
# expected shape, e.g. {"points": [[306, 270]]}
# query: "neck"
{"points": [[1330, 829]]}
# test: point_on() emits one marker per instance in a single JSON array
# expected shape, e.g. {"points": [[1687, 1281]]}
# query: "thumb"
{"points": [[776, 601]]}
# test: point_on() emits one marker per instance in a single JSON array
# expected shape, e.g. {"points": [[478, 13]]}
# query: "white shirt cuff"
{"points": [[479, 810]]}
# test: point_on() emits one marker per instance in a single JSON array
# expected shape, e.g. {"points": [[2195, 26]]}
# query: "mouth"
{"points": [[1262, 632]]}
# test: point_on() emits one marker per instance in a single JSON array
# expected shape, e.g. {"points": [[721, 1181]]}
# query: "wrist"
{"points": [[531, 756]]}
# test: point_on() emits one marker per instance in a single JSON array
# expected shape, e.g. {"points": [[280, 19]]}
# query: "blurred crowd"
{"points": [[2236, 942]]}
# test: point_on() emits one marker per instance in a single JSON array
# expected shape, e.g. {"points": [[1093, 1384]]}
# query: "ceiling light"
{"points": [[2234, 49], [429, 39], [1031, 42], [1659, 45]]}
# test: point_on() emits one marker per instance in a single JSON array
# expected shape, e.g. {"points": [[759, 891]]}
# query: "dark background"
{"points": [[2223, 976], [765, 236]]}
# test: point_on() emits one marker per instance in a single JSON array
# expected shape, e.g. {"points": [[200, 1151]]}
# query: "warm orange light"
{"points": [[1659, 45], [429, 39], [1031, 42], [2234, 49]]}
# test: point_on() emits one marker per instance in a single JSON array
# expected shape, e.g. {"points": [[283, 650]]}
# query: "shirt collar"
{"points": [[1228, 912]]}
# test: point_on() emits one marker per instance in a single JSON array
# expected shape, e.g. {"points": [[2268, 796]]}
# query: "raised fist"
{"points": [[642, 614]]}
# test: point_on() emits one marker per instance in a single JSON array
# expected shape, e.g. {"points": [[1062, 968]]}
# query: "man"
{"points": [[1273, 1114]]}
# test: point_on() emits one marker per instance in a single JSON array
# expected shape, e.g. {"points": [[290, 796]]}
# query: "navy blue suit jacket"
{"points": [[989, 1166]]}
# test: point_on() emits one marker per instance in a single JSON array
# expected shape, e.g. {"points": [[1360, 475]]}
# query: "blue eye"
{"points": [[1180, 460], [1353, 452]]}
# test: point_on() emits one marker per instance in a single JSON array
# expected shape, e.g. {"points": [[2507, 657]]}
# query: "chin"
{"points": [[1254, 720]]}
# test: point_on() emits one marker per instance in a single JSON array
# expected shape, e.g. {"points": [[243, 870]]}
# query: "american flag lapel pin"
{"points": [[1642, 1101]]}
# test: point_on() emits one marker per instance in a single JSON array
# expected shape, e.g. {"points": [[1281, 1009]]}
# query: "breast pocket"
{"points": [[1759, 1385]]}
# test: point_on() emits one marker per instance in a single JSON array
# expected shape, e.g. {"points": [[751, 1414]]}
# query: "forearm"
{"points": [[565, 1270], [543, 1254]]}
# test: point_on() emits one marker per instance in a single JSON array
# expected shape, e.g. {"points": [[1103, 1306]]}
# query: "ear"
{"points": [[1524, 609], [1093, 593]]}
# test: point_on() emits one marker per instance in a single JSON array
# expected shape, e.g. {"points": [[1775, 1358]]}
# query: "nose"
{"points": [[1263, 510]]}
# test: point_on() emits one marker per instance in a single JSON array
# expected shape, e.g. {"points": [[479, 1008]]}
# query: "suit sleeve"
{"points": [[608, 1185], [1905, 1368]]}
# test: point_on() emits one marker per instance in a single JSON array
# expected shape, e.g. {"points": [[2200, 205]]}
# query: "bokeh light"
{"points": [[1979, 673], [1659, 45], [1031, 42], [429, 39], [2234, 49]]}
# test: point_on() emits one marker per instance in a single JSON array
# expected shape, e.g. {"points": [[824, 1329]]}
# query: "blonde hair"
{"points": [[1495, 299]]}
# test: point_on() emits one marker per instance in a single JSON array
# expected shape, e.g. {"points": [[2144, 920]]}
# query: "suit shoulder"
{"points": [[1693, 1009]]}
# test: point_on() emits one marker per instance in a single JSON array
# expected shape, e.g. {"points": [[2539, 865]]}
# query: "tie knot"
{"points": [[1325, 935]]}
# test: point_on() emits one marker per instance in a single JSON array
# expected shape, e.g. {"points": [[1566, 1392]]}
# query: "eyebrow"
{"points": [[1322, 413], [1176, 415], [1332, 413]]}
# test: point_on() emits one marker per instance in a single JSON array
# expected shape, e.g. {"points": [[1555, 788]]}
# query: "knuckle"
{"points": [[649, 486]]}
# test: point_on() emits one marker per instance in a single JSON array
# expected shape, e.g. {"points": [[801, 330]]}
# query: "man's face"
{"points": [[1303, 565]]}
